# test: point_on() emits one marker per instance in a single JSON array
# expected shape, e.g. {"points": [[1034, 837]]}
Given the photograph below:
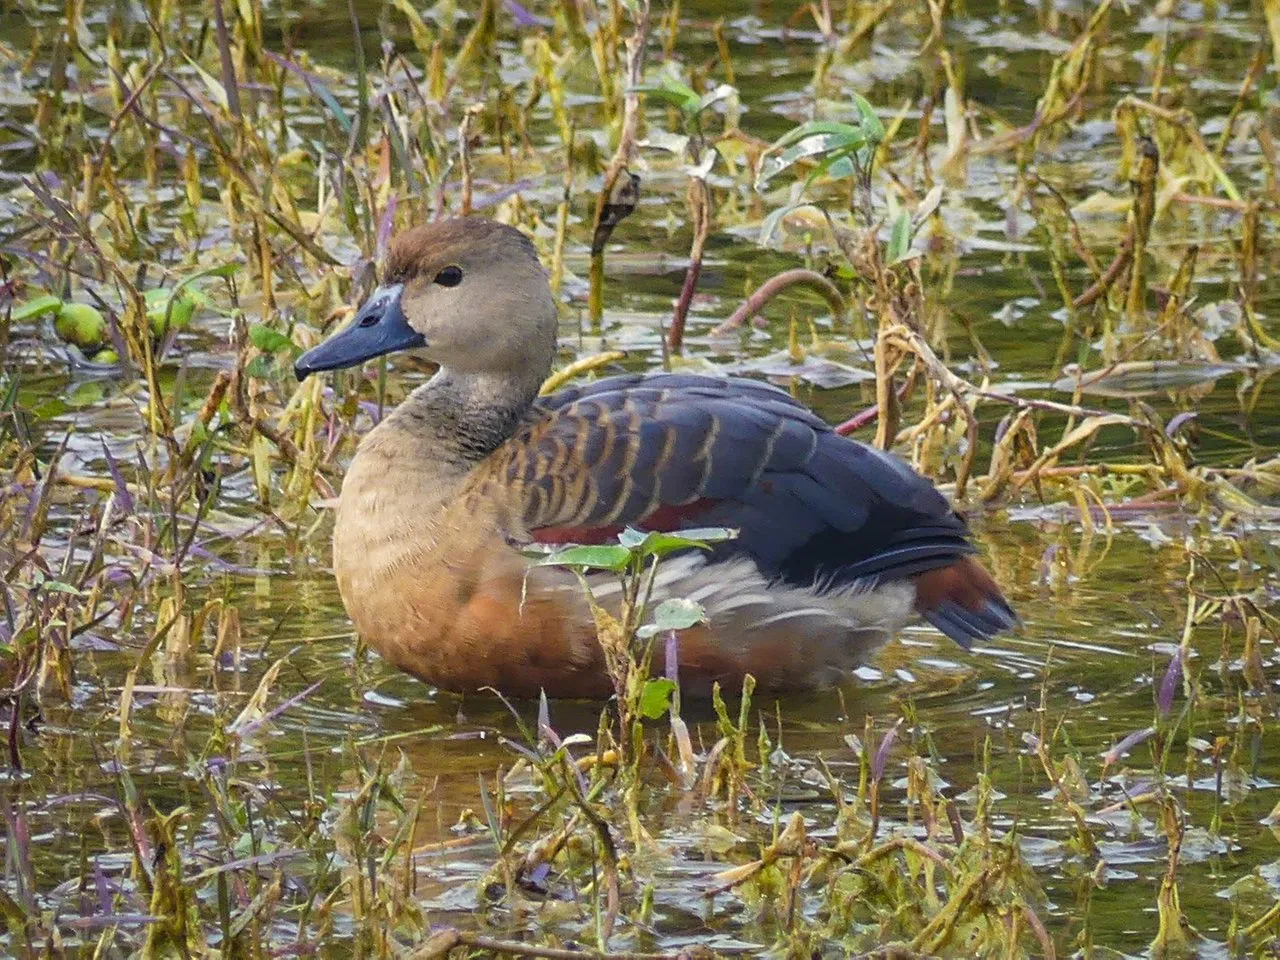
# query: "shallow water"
{"points": [[1102, 611]]}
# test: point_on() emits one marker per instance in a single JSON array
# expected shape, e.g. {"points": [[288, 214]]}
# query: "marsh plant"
{"points": [[1028, 247]]}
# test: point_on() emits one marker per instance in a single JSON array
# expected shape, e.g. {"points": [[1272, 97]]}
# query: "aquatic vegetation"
{"points": [[1028, 248]]}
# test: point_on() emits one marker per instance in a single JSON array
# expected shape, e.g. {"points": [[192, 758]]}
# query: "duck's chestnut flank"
{"points": [[839, 543]]}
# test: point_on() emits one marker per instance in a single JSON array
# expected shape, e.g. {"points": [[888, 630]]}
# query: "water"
{"points": [[1102, 609]]}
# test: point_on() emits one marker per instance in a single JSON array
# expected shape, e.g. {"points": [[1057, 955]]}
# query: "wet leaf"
{"points": [[720, 838]]}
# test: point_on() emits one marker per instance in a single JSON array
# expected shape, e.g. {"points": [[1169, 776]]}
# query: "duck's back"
{"points": [[815, 511]]}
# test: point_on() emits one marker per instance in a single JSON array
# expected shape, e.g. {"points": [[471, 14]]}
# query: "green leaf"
{"points": [[769, 226], [813, 128], [817, 137], [605, 557], [655, 697], [868, 120], [222, 270], [261, 368], [315, 85], [166, 308], [631, 538], [673, 614], [722, 92], [837, 165], [673, 92], [268, 340], [900, 239], [659, 544], [678, 613], [34, 308], [57, 586], [814, 145]]}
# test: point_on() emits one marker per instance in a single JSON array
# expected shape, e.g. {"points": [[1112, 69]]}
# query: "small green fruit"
{"points": [[157, 300], [81, 324], [106, 356]]}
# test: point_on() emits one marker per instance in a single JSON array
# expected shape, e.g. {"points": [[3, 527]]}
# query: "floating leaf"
{"points": [[82, 324], [168, 308]]}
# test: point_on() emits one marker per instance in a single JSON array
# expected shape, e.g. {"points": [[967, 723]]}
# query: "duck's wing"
{"points": [[673, 451]]}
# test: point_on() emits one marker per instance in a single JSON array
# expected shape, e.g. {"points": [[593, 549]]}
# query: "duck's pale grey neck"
{"points": [[465, 417]]}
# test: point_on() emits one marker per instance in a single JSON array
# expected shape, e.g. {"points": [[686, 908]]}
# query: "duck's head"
{"points": [[469, 292]]}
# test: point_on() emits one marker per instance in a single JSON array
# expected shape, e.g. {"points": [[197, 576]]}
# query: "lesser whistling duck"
{"points": [[838, 542]]}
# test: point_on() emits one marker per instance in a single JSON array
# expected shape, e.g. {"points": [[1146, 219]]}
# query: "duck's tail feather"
{"points": [[964, 602]]}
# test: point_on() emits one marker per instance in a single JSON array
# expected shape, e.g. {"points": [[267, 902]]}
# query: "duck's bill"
{"points": [[379, 328]]}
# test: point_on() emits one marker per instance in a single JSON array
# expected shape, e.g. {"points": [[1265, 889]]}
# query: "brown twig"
{"points": [[910, 341], [128, 106], [464, 153], [602, 224], [700, 207], [1109, 276], [869, 416], [1143, 212], [774, 286], [229, 84]]}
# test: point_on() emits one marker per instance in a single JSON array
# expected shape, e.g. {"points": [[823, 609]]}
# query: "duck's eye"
{"points": [[449, 277]]}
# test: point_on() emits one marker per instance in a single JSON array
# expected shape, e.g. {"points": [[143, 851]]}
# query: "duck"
{"points": [[838, 544]]}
